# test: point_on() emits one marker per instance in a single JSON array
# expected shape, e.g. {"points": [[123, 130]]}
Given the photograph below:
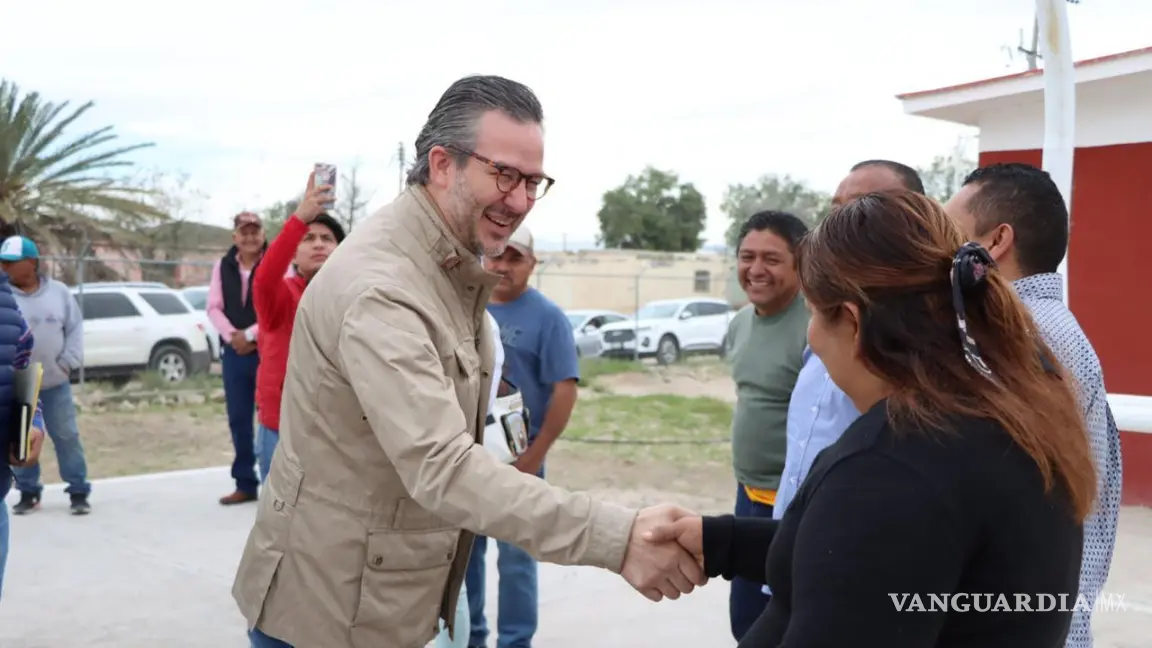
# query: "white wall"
{"points": [[1108, 112]]}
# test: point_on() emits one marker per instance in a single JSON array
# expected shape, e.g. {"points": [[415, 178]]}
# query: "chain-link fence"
{"points": [[604, 281], [613, 281], [586, 289], [76, 271]]}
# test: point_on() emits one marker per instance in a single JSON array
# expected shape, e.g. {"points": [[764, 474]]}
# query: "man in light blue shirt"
{"points": [[819, 411], [1017, 213]]}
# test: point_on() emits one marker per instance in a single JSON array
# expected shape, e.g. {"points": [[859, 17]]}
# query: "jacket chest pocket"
{"points": [[467, 375]]}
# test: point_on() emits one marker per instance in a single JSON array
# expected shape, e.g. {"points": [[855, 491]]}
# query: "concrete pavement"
{"points": [[153, 566]]}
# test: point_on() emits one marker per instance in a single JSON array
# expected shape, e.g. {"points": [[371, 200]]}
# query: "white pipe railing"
{"points": [[1132, 413]]}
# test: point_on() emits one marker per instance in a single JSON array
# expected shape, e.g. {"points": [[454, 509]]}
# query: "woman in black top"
{"points": [[956, 500]]}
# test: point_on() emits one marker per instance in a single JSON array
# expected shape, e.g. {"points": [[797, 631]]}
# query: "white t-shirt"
{"points": [[498, 361]]}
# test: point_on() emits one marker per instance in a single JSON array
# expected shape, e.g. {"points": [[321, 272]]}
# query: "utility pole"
{"points": [[403, 162], [1032, 55]]}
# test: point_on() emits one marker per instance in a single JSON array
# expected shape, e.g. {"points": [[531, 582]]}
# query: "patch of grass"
{"points": [[593, 368], [658, 427], [150, 381], [149, 439]]}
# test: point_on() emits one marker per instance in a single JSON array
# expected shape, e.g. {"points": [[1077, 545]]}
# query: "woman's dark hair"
{"points": [[891, 255], [333, 225]]}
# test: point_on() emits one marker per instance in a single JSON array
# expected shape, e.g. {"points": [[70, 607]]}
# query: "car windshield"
{"points": [[197, 298], [576, 319], [658, 310]]}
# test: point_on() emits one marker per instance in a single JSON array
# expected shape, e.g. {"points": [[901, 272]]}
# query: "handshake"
{"points": [[665, 555]]}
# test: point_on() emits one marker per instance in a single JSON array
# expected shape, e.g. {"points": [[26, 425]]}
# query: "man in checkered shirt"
{"points": [[1018, 214]]}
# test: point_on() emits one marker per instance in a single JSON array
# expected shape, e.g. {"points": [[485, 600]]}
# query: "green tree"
{"points": [[165, 240], [944, 175], [781, 193], [653, 211], [60, 188], [275, 214]]}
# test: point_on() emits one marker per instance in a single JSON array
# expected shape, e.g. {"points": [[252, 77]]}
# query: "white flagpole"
{"points": [[1059, 102]]}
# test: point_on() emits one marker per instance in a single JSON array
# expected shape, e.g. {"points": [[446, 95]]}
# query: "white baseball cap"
{"points": [[522, 240]]}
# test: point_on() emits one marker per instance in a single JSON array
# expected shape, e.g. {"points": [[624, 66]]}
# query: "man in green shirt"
{"points": [[766, 341]]}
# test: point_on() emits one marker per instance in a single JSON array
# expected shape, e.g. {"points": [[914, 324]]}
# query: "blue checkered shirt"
{"points": [[1043, 295]]}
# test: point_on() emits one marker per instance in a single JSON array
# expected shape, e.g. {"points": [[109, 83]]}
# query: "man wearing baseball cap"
{"points": [[54, 317], [540, 356], [233, 314]]}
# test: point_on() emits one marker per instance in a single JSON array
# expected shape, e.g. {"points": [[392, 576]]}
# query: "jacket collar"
{"points": [[461, 265]]}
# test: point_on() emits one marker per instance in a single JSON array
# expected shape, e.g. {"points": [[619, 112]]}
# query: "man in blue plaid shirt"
{"points": [[1017, 213]]}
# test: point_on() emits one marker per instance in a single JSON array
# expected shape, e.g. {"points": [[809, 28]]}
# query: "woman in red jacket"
{"points": [[302, 246]]}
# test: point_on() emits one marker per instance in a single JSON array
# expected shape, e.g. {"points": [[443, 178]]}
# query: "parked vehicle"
{"points": [[586, 326], [667, 329], [197, 297], [133, 327]]}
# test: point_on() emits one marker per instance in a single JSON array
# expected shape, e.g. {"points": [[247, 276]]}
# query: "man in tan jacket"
{"points": [[358, 541]]}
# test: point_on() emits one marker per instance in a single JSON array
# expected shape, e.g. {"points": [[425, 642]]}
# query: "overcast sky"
{"points": [[244, 95]]}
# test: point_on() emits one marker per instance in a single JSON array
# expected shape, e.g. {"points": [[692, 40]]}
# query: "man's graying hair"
{"points": [[452, 123]]}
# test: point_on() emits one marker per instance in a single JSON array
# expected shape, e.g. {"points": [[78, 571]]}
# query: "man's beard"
{"points": [[463, 211]]}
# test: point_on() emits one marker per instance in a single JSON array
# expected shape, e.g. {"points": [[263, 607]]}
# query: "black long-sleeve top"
{"points": [[886, 515]]}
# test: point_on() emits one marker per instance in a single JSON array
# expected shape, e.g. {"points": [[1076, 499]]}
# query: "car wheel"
{"points": [[668, 350], [170, 362]]}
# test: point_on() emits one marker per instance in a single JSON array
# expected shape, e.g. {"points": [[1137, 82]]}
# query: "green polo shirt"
{"points": [[765, 354]]}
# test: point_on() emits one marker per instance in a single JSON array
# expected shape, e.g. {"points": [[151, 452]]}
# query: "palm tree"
{"points": [[59, 188]]}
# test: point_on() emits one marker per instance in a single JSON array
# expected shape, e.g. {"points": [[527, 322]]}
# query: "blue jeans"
{"points": [[257, 639], [60, 419], [266, 441], [240, 398], [3, 541], [518, 604], [462, 630], [747, 600]]}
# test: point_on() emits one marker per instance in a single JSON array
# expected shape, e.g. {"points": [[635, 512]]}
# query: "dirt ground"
{"points": [[173, 431]]}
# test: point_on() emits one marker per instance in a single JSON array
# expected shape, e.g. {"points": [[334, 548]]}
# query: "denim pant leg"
{"points": [[462, 633], [62, 429], [3, 542], [239, 373], [266, 441], [474, 581], [257, 639], [747, 599], [518, 605]]}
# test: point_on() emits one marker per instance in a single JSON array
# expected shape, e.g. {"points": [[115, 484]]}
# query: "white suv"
{"points": [[132, 327], [669, 328], [197, 297]]}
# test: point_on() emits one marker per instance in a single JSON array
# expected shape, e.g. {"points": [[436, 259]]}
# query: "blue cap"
{"points": [[18, 248]]}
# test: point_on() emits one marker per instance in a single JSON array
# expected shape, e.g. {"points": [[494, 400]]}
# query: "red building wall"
{"points": [[1109, 284]]}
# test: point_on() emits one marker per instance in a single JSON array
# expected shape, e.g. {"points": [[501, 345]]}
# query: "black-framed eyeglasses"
{"points": [[509, 177]]}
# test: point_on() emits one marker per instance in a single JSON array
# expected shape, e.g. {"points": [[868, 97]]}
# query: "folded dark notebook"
{"points": [[27, 394]]}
